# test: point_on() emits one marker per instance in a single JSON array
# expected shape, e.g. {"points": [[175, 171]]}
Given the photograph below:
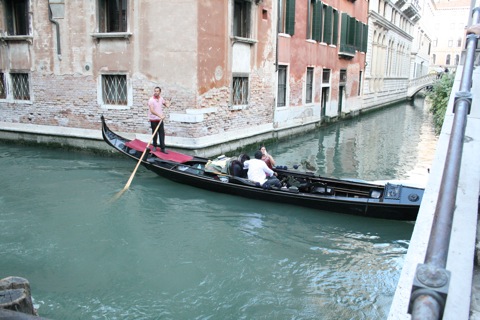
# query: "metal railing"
{"points": [[431, 282]]}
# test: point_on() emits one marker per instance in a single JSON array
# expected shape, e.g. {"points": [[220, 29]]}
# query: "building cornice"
{"points": [[378, 20]]}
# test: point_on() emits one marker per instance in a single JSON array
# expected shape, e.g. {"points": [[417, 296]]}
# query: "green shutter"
{"points": [[317, 21], [365, 38], [344, 29], [335, 27], [327, 32], [358, 35], [351, 31], [290, 27]]}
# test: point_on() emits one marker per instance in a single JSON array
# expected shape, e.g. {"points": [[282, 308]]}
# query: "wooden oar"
{"points": [[138, 163]]}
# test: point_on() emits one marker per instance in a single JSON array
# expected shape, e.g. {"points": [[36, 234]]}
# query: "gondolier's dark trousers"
{"points": [[159, 136]]}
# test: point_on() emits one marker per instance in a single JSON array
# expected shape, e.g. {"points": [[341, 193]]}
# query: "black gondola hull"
{"points": [[403, 205]]}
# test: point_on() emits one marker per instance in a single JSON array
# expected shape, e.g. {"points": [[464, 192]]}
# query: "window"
{"points": [[20, 86], [457, 59], [240, 90], [343, 76], [287, 17], [360, 83], [447, 61], [354, 36], [282, 86], [459, 42], [114, 89], [16, 17], [3, 91], [330, 28], [326, 76], [450, 42], [310, 19], [435, 42], [241, 18], [434, 57], [309, 86], [112, 15]]}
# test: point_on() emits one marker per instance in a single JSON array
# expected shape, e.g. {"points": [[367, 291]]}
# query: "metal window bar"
{"points": [[430, 287], [20, 86], [240, 90], [114, 89], [3, 91]]}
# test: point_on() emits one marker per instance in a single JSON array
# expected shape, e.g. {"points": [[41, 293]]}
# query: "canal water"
{"points": [[169, 251]]}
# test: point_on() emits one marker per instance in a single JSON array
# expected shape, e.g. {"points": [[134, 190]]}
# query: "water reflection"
{"points": [[398, 143]]}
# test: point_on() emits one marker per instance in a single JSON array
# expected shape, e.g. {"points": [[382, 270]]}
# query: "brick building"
{"points": [[233, 69]]}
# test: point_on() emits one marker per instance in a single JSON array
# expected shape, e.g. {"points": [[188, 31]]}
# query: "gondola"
{"points": [[390, 201]]}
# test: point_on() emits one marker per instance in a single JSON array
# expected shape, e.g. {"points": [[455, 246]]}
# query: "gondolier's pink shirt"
{"points": [[157, 106]]}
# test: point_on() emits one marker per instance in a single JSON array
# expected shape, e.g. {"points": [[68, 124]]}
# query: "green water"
{"points": [[169, 251]]}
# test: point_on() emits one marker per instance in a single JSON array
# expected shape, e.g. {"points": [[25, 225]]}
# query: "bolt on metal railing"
{"points": [[431, 282]]}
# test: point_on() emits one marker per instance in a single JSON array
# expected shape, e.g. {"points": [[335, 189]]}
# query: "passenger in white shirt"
{"points": [[258, 171]]}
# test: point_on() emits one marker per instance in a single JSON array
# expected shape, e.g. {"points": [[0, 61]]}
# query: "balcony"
{"points": [[346, 51], [411, 9]]}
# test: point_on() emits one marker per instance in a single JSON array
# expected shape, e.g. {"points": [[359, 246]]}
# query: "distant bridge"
{"points": [[417, 84]]}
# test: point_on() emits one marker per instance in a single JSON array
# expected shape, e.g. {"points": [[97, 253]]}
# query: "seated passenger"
{"points": [[258, 171], [267, 158]]}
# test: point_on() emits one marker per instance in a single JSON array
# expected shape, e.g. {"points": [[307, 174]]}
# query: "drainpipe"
{"points": [[59, 50]]}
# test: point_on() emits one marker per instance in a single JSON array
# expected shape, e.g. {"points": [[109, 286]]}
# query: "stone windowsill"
{"points": [[111, 35]]}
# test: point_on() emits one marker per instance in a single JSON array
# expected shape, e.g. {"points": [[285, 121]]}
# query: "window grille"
{"points": [[309, 86], [20, 86], [240, 91], [114, 89], [282, 86], [3, 91]]}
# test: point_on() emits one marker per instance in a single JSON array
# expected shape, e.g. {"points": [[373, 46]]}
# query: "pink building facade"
{"points": [[236, 71]]}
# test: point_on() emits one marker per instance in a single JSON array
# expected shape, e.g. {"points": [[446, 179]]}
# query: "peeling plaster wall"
{"points": [[183, 46]]}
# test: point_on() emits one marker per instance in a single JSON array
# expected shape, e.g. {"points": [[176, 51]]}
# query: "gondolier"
{"points": [[156, 117]]}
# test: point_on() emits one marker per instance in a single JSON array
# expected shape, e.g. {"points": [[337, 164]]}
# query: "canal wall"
{"points": [[464, 228], [89, 139]]}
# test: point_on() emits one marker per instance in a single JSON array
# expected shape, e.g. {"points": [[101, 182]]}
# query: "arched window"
{"points": [[434, 57], [457, 59], [447, 61]]}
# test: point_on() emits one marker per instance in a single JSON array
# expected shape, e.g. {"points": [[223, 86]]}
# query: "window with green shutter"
{"points": [[328, 30], [335, 28], [347, 36], [286, 21], [365, 38], [358, 34], [290, 17], [311, 5], [317, 21]]}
